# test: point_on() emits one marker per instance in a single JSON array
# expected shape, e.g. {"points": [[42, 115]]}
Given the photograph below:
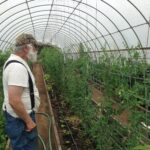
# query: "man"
{"points": [[21, 97]]}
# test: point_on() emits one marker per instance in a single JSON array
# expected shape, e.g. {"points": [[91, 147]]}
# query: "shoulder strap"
{"points": [[31, 88]]}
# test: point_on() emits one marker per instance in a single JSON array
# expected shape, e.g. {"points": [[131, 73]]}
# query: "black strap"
{"points": [[31, 89]]}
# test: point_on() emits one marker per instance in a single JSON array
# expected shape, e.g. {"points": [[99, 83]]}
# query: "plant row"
{"points": [[3, 57], [125, 82]]}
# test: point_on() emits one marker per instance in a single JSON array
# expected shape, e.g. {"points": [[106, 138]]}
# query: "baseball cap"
{"points": [[24, 39]]}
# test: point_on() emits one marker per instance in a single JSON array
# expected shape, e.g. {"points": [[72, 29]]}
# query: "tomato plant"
{"points": [[125, 82]]}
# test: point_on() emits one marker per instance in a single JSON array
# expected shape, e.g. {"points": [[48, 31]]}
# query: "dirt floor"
{"points": [[72, 136], [98, 97]]}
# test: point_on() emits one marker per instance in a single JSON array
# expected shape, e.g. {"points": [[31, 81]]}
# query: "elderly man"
{"points": [[21, 97]]}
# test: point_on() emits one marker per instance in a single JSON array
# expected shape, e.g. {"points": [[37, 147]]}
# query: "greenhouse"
{"points": [[92, 72]]}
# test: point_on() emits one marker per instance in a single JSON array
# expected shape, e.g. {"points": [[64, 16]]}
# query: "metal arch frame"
{"points": [[44, 24], [67, 41], [3, 2], [147, 22], [66, 34], [126, 19], [29, 22], [72, 19], [130, 27], [70, 45], [78, 10], [120, 30], [68, 26], [100, 24], [90, 23], [126, 22], [71, 23], [77, 38], [63, 33], [73, 0], [23, 23], [8, 43], [39, 19], [67, 37], [94, 18], [75, 30], [19, 17]]}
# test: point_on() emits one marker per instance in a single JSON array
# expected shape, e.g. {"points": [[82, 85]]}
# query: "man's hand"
{"points": [[30, 126]]}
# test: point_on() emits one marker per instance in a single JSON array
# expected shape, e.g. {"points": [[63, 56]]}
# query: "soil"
{"points": [[70, 132], [123, 118], [98, 97]]}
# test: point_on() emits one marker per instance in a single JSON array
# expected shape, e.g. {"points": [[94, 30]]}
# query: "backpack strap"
{"points": [[31, 89]]}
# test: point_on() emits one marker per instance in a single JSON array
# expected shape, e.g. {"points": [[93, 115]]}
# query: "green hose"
{"points": [[49, 131], [42, 141]]}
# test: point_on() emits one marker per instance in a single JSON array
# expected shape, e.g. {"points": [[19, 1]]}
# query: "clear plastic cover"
{"points": [[98, 24]]}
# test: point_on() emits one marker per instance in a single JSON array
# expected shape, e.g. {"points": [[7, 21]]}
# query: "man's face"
{"points": [[31, 53]]}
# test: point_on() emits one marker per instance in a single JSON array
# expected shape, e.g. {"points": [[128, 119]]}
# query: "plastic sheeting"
{"points": [[112, 24]]}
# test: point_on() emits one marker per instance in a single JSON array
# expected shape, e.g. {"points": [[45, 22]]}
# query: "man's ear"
{"points": [[26, 49]]}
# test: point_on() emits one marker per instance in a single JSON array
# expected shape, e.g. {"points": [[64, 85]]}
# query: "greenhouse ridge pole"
{"points": [[148, 33], [115, 50], [48, 20], [30, 16], [79, 2]]}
